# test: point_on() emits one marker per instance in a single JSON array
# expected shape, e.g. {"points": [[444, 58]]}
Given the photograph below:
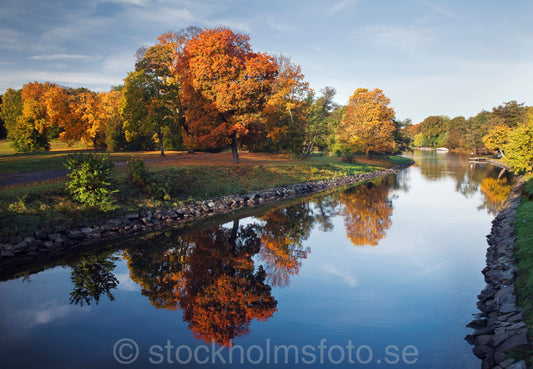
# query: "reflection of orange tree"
{"points": [[367, 211], [495, 191], [213, 281], [281, 235]]}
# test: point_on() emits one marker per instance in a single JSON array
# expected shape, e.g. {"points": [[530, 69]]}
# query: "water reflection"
{"points": [[470, 177], [93, 277], [211, 276], [367, 211]]}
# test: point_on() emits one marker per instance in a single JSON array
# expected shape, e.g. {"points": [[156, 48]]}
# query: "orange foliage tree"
{"points": [[42, 105], [234, 84], [367, 125]]}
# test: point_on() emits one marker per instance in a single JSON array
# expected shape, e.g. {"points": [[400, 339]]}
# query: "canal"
{"points": [[382, 274]]}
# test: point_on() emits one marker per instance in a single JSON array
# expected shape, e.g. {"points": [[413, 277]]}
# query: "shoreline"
{"points": [[499, 329], [61, 239]]}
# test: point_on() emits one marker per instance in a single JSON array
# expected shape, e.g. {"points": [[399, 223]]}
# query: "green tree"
{"points": [[11, 110], [510, 114], [317, 131], [434, 129], [3, 130]]}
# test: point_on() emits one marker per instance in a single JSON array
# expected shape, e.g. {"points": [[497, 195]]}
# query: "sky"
{"points": [[430, 57]]}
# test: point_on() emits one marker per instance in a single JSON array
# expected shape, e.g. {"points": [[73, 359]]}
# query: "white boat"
{"points": [[442, 149]]}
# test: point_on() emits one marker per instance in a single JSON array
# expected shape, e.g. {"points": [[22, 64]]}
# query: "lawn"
{"points": [[524, 253], [175, 178]]}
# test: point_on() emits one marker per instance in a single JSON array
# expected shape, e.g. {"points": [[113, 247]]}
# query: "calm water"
{"points": [[384, 274]]}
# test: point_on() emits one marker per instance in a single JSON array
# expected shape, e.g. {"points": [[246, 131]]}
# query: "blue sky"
{"points": [[430, 57]]}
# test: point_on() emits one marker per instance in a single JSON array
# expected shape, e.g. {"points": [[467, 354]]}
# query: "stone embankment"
{"points": [[500, 329], [63, 238]]}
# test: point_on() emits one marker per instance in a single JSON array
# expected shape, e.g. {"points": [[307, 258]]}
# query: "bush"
{"points": [[137, 173], [89, 180]]}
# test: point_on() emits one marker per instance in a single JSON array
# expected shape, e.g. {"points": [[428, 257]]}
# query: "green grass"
{"points": [[44, 205], [524, 253]]}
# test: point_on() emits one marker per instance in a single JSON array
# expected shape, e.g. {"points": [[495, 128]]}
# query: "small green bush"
{"points": [[137, 173], [89, 180]]}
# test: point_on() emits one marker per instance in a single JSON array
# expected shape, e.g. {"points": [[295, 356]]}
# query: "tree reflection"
{"points": [[282, 234], [92, 277], [495, 192], [367, 211], [211, 276]]}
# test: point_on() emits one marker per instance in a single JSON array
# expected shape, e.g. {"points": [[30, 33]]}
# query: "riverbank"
{"points": [[56, 240], [500, 336], [169, 182]]}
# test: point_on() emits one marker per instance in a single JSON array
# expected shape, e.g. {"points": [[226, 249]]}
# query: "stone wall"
{"points": [[61, 238], [500, 329]]}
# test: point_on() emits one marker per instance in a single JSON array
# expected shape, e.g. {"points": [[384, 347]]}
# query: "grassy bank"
{"points": [[524, 253], [172, 180]]}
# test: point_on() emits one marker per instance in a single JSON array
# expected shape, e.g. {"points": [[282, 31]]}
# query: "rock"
{"points": [[507, 362], [29, 239], [87, 230], [483, 340], [149, 213], [132, 216], [6, 253], [49, 244], [76, 235], [518, 365], [508, 307], [483, 351], [211, 204], [517, 342], [19, 247]]}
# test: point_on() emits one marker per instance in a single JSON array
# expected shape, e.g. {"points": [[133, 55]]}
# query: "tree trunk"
{"points": [[234, 149], [160, 137]]}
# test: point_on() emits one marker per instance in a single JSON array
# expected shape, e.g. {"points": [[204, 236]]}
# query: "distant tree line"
{"points": [[506, 130]]}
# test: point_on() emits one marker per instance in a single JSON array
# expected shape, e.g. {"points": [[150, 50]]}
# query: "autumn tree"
{"points": [[285, 111], [497, 139], [519, 147], [367, 125], [234, 83], [83, 119], [30, 132]]}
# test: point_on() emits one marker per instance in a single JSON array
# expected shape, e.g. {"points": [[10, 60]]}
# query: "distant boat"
{"points": [[442, 149]]}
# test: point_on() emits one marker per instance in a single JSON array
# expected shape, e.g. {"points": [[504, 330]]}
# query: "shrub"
{"points": [[89, 180], [137, 173]]}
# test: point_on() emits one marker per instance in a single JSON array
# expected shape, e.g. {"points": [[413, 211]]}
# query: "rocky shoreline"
{"points": [[500, 329], [60, 239]]}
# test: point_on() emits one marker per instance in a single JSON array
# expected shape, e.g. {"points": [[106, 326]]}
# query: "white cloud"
{"points": [[345, 277], [396, 36], [65, 57], [338, 7], [91, 80]]}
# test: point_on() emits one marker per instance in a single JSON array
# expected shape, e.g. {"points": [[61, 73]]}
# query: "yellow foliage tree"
{"points": [[367, 125]]}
